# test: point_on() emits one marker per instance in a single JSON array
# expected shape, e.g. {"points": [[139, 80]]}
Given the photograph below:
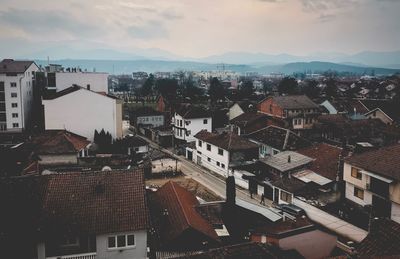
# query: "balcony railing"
{"points": [[75, 256]]}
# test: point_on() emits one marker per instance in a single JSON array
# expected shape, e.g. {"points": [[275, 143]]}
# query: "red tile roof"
{"points": [[182, 214], [58, 142], [384, 161], [326, 157]]}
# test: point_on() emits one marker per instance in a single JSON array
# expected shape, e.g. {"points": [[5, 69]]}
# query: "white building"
{"points": [[218, 152], [16, 94], [82, 111], [95, 81], [373, 179], [188, 121]]}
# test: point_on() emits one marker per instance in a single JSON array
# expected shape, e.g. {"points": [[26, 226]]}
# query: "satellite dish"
{"points": [[106, 168]]}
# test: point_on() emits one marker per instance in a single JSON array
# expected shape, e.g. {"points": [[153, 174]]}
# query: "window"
{"points": [[223, 165], [285, 196], [220, 151], [359, 193], [13, 84], [70, 241], [205, 121], [15, 115], [218, 163], [13, 95], [2, 107], [1, 86], [208, 147], [356, 173], [200, 143], [15, 125], [208, 159], [121, 241]]}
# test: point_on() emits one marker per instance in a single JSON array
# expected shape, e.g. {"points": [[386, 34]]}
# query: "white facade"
{"points": [[212, 157], [82, 112], [96, 81], [353, 184], [154, 120], [185, 129], [18, 99]]}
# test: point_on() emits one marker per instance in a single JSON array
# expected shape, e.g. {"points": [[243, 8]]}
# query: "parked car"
{"points": [[292, 210]]}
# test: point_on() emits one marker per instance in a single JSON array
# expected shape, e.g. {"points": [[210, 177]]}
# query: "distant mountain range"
{"points": [[128, 66]]}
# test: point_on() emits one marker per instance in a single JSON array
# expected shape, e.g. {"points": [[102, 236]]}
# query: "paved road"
{"points": [[217, 185]]}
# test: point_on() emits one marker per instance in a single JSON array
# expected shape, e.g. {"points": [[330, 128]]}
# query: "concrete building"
{"points": [[83, 111], [95, 81], [16, 94]]}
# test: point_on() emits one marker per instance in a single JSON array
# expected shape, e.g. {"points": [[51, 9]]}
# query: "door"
{"points": [[199, 160]]}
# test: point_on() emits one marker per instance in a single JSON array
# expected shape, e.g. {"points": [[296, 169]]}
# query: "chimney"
{"points": [[289, 159], [230, 190]]}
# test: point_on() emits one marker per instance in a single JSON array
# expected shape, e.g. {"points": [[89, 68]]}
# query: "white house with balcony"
{"points": [[190, 120], [373, 179], [16, 94]]}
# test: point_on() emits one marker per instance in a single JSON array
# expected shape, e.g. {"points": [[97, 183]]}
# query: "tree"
{"points": [[216, 90], [331, 89], [166, 87], [288, 85], [311, 89], [247, 88], [148, 86]]}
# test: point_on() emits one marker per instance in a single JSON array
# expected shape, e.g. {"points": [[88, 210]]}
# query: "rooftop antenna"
{"points": [[48, 60]]}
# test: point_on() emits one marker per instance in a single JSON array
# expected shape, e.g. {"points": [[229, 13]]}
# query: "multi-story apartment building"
{"points": [[373, 179], [16, 94]]}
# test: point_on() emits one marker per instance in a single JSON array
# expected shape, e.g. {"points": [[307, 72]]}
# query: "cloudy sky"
{"points": [[198, 28]]}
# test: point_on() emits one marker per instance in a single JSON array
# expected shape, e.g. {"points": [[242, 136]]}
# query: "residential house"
{"points": [[250, 122], [83, 111], [298, 110], [178, 225], [136, 145], [59, 147], [219, 152], [74, 215], [239, 108], [385, 110], [16, 94], [279, 185], [147, 117], [188, 121], [373, 180], [273, 140]]}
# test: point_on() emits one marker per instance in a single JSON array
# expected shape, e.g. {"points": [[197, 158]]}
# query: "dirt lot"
{"points": [[189, 184]]}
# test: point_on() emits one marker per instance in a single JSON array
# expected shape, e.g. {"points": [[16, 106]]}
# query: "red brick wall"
{"points": [[161, 104], [265, 107]]}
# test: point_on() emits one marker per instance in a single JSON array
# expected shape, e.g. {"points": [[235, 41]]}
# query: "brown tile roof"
{"points": [[279, 138], [182, 215], [295, 102], [71, 89], [384, 161], [383, 240], [96, 203], [326, 157], [240, 251], [58, 142], [227, 141], [192, 112], [14, 66]]}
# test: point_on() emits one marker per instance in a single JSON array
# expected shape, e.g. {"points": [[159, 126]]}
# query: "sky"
{"points": [[199, 28]]}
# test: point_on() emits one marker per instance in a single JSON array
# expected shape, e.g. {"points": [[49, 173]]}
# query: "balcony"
{"points": [[75, 256]]}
